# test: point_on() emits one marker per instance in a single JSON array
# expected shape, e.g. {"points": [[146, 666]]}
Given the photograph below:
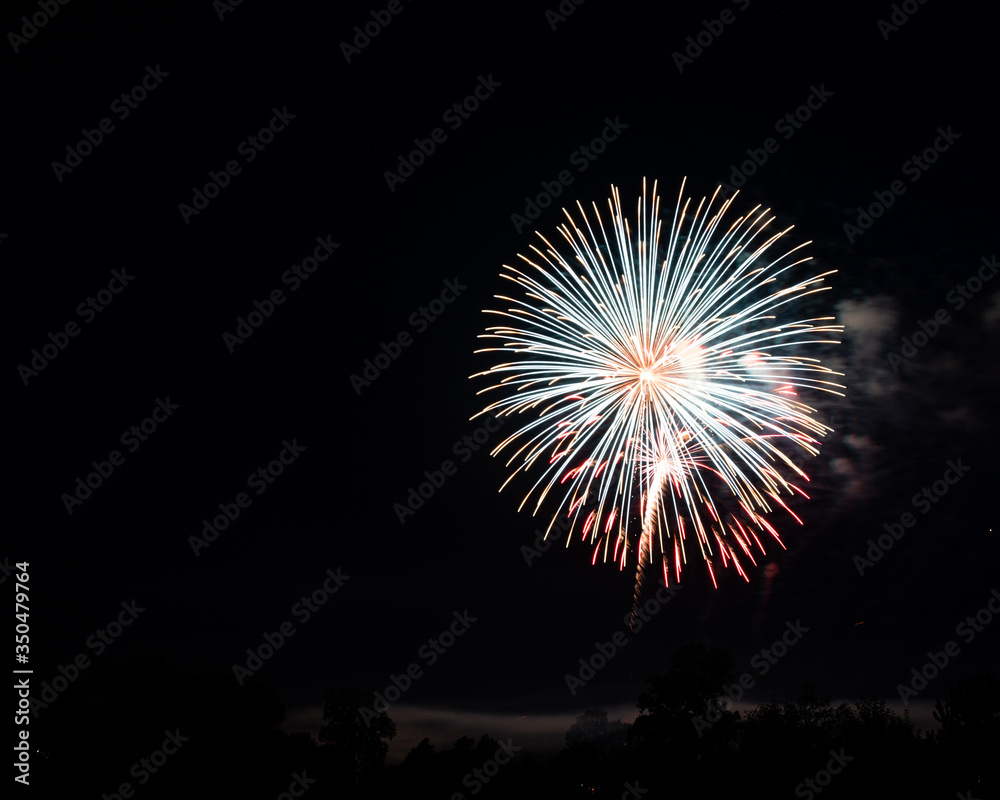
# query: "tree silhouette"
{"points": [[359, 742], [879, 752], [594, 749], [684, 727], [794, 737], [421, 767], [230, 734], [420, 756], [592, 729], [970, 733]]}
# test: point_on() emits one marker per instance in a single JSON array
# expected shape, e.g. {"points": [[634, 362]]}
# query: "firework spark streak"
{"points": [[656, 384]]}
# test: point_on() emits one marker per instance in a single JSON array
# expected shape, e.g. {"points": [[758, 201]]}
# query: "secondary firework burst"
{"points": [[659, 385]]}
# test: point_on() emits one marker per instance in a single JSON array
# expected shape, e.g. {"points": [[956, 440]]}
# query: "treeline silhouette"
{"points": [[153, 731]]}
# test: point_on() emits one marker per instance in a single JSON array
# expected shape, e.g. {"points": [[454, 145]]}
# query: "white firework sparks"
{"points": [[645, 375]]}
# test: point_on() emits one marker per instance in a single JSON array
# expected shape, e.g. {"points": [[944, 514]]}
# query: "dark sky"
{"points": [[317, 185]]}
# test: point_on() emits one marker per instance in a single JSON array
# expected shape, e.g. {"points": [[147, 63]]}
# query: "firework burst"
{"points": [[658, 385]]}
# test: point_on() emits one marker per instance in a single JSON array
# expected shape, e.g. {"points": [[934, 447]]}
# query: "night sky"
{"points": [[187, 172]]}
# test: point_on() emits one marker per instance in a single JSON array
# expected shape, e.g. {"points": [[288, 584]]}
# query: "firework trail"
{"points": [[654, 382]]}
